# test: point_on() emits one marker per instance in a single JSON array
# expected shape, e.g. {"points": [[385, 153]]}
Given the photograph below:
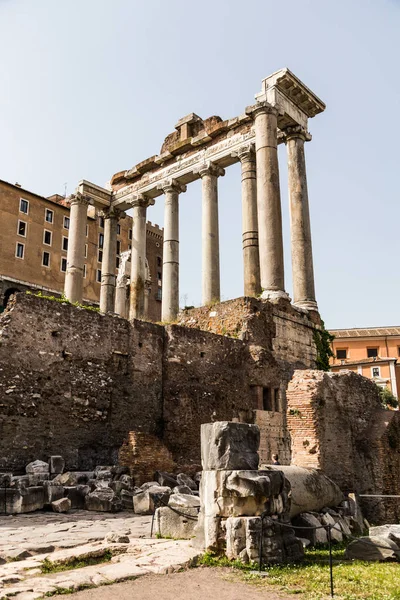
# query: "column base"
{"points": [[274, 295], [307, 304]]}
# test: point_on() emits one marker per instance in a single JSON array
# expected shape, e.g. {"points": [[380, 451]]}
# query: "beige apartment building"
{"points": [[34, 242], [370, 351]]}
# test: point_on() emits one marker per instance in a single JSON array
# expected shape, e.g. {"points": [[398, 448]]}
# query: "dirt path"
{"points": [[195, 584]]}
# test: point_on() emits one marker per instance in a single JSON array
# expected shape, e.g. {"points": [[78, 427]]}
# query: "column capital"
{"points": [[262, 107], [112, 213], [171, 185], [296, 131], [79, 198], [141, 200], [209, 168], [245, 152]]}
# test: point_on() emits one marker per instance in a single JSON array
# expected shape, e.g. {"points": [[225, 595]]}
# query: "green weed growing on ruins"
{"points": [[64, 300], [323, 340]]}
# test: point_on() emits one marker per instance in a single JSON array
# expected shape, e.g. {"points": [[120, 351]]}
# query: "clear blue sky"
{"points": [[91, 87]]}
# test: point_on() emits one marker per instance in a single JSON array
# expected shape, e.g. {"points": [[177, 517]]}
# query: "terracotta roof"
{"points": [[362, 361], [367, 332]]}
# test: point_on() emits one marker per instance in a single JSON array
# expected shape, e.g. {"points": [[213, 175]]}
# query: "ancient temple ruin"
{"points": [[203, 149], [77, 383]]}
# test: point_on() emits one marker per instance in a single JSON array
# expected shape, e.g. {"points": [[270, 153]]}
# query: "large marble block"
{"points": [[241, 493], [226, 445]]}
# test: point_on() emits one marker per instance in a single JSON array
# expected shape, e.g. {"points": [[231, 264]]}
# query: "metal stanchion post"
{"points": [[261, 544], [5, 495], [330, 559]]}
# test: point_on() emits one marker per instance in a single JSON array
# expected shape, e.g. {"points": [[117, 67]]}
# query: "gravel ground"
{"points": [[195, 584]]}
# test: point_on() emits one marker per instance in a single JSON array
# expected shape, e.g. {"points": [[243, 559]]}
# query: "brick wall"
{"points": [[144, 454], [337, 424]]}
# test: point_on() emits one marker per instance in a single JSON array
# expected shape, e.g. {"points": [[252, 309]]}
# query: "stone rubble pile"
{"points": [[105, 489]]}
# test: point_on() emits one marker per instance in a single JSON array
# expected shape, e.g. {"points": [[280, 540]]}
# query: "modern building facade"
{"points": [[34, 234], [372, 352]]}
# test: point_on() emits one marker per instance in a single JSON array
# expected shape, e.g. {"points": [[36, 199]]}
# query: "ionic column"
{"points": [[251, 258], [300, 229], [268, 200], [138, 257], [73, 287], [209, 174], [170, 275], [108, 265]]}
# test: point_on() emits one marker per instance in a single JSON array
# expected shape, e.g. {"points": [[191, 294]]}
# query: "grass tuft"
{"points": [[353, 580], [48, 566]]}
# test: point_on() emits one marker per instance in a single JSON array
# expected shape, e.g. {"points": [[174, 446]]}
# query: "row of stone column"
{"points": [[261, 226]]}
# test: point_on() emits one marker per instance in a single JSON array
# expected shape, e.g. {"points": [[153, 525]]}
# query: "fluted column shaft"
{"points": [[170, 275], [73, 287], [251, 258], [210, 233], [108, 265], [138, 258], [269, 200], [300, 228]]}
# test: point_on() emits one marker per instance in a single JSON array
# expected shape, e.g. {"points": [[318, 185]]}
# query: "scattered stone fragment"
{"points": [[118, 538], [149, 484], [392, 532], [37, 466], [165, 479], [146, 502], [314, 536], [103, 500], [62, 505], [127, 500], [56, 465], [183, 479], [182, 489], [183, 501], [372, 548], [76, 494], [52, 492]]}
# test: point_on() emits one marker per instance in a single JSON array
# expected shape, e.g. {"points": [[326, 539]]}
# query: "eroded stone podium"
{"points": [[242, 507]]}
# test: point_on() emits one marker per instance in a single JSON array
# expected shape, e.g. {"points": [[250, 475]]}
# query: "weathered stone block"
{"points": [[184, 479], [372, 548], [37, 466], [147, 501], [165, 479], [103, 500], [182, 489], [184, 501], [20, 481], [230, 493], [127, 499], [314, 536], [226, 445], [62, 505], [32, 499], [71, 478], [392, 532], [37, 478], [56, 465], [52, 492], [76, 494], [170, 524], [243, 537]]}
